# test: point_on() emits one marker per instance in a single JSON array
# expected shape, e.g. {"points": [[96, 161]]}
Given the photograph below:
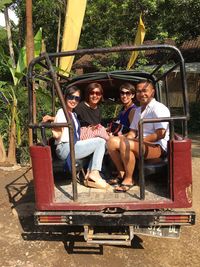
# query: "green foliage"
{"points": [[110, 63], [14, 94], [182, 14], [22, 63], [3, 34], [4, 72], [106, 24], [45, 15], [9, 98], [43, 102], [110, 112], [18, 72], [5, 3], [111, 23]]}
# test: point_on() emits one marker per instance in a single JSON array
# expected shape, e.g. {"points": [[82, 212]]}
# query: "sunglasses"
{"points": [[141, 91], [73, 97], [97, 93], [125, 93]]}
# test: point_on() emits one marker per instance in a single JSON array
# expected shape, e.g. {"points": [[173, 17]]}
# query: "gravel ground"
{"points": [[22, 244]]}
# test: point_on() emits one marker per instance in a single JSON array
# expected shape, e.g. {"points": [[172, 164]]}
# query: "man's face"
{"points": [[144, 92]]}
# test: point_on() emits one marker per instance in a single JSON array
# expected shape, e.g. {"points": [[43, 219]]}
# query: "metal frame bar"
{"points": [[71, 129], [141, 152]]}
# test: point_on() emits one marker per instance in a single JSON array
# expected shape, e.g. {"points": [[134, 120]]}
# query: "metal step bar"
{"points": [[107, 239]]}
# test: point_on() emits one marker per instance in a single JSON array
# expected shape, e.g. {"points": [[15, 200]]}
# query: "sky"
{"points": [[11, 16]]}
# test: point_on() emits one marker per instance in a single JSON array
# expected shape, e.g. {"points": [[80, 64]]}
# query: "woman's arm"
{"points": [[57, 131], [131, 115], [47, 118]]}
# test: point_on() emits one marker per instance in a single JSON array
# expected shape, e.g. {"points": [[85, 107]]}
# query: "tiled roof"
{"points": [[155, 42], [186, 46], [87, 60], [191, 44]]}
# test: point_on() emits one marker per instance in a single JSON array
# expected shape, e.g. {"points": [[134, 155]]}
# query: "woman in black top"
{"points": [[88, 111]]}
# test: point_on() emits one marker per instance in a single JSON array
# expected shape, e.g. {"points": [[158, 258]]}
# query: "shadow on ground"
{"points": [[21, 196], [195, 145], [20, 192]]}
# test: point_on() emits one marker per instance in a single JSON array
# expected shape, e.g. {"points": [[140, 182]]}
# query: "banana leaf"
{"points": [[22, 64]]}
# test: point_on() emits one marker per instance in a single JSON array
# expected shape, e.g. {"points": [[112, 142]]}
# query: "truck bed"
{"points": [[155, 191]]}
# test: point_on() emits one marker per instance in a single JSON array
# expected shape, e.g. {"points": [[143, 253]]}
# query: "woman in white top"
{"points": [[83, 148]]}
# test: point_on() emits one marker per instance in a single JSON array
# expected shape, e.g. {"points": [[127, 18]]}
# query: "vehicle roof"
{"points": [[110, 80]]}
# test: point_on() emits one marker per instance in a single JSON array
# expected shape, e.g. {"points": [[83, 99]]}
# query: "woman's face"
{"points": [[73, 100], [95, 96], [126, 96]]}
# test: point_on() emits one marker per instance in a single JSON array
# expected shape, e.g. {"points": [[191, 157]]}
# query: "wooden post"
{"points": [[30, 54]]}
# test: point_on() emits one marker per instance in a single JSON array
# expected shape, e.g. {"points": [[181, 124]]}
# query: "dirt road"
{"points": [[22, 244]]}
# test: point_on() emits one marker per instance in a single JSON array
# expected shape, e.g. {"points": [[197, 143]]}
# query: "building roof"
{"points": [[87, 60], [186, 47], [155, 42], [191, 44]]}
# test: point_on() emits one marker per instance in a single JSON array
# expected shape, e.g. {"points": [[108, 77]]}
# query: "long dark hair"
{"points": [[70, 90]]}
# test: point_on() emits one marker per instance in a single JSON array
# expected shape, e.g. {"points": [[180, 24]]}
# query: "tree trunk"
{"points": [[12, 137], [30, 54], [2, 151], [29, 32], [58, 38], [20, 33], [9, 35], [11, 158]]}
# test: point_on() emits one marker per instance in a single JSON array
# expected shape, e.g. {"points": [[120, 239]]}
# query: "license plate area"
{"points": [[169, 231]]}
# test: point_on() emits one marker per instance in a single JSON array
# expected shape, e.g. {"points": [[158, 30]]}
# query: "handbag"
{"points": [[115, 128], [93, 131]]}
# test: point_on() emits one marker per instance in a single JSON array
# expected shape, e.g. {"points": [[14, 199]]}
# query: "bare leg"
{"points": [[128, 149], [113, 145]]}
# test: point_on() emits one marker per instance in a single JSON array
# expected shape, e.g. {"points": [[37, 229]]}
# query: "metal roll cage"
{"points": [[45, 60]]}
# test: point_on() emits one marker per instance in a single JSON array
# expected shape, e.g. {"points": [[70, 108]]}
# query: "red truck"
{"points": [[162, 202]]}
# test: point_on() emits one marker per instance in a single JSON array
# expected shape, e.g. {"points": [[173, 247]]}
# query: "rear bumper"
{"points": [[117, 219]]}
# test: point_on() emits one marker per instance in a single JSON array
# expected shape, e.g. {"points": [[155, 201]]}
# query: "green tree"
{"points": [[4, 5], [12, 93], [106, 23], [111, 23], [46, 14]]}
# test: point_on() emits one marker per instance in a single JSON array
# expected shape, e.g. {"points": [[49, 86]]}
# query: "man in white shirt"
{"points": [[155, 136]]}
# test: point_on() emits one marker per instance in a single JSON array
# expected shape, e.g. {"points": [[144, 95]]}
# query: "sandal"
{"points": [[98, 183], [123, 188]]}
